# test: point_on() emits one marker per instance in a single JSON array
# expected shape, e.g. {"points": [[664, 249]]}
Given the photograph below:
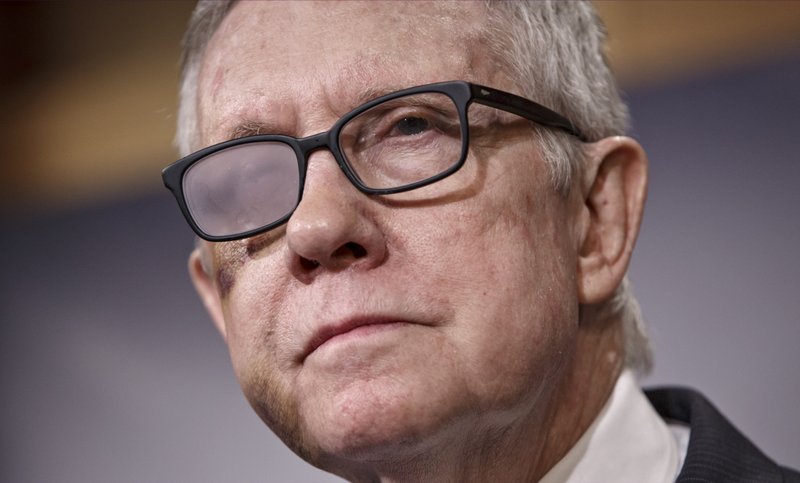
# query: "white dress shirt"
{"points": [[628, 442]]}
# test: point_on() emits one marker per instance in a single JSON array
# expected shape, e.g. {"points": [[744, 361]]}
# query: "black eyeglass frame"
{"points": [[462, 94]]}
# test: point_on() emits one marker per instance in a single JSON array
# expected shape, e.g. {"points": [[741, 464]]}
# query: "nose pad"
{"points": [[332, 228]]}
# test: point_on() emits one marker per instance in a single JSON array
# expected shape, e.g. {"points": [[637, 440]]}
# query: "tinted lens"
{"points": [[242, 188], [403, 140]]}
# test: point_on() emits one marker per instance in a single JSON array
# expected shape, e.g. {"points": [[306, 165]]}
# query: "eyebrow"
{"points": [[251, 127], [371, 93], [248, 128]]}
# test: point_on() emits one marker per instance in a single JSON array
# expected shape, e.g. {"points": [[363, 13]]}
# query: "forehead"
{"points": [[268, 57]]}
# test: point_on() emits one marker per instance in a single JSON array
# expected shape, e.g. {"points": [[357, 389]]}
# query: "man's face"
{"points": [[371, 326]]}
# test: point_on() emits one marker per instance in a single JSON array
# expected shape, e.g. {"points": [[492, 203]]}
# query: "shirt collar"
{"points": [[628, 441]]}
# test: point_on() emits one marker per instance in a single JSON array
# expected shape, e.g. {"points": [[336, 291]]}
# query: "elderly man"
{"points": [[416, 221]]}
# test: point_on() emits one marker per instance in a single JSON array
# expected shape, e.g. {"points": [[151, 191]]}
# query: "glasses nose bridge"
{"points": [[319, 141], [315, 142]]}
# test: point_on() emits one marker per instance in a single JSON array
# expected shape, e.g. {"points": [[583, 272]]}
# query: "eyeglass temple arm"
{"points": [[525, 108]]}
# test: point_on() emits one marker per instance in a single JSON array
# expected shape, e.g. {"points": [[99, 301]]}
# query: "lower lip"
{"points": [[361, 332]]}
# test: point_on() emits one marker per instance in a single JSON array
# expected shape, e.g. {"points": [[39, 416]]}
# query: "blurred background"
{"points": [[111, 371]]}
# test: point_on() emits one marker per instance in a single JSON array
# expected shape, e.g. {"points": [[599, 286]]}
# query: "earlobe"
{"points": [[204, 284], [613, 193]]}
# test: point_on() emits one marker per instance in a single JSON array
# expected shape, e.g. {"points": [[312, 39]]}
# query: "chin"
{"points": [[373, 421]]}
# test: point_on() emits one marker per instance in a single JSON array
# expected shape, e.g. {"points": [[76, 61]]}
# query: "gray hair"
{"points": [[554, 50]]}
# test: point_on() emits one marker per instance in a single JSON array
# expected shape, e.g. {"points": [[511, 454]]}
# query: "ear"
{"points": [[613, 194], [204, 284]]}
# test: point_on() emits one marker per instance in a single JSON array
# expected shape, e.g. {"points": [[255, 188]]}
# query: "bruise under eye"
{"points": [[229, 258], [256, 245]]}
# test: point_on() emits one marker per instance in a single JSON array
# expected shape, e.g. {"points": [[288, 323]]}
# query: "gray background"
{"points": [[112, 372]]}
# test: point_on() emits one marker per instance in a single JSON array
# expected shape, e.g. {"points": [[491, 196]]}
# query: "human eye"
{"points": [[407, 124], [403, 140], [404, 127], [413, 120], [411, 126]]}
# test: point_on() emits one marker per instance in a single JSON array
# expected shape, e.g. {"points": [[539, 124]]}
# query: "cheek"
{"points": [[517, 332], [254, 310], [231, 257], [272, 399], [259, 351], [509, 269], [519, 340]]}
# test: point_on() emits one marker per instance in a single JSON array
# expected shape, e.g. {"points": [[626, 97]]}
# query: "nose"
{"points": [[333, 227]]}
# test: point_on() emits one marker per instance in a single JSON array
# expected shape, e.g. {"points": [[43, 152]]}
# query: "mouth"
{"points": [[360, 326]]}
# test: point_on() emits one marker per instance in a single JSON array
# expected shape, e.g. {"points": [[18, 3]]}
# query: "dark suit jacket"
{"points": [[717, 451]]}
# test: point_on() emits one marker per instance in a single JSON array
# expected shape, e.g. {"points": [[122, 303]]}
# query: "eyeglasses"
{"points": [[395, 143]]}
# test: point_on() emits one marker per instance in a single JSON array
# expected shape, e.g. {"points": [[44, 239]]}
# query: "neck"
{"points": [[525, 448], [595, 367]]}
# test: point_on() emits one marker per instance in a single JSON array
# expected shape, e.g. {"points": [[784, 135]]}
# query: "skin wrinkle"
{"points": [[229, 260], [250, 117], [358, 73], [247, 124], [601, 334], [492, 356], [257, 245], [481, 147]]}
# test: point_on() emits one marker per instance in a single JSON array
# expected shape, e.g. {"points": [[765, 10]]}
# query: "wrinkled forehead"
{"points": [[334, 54]]}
